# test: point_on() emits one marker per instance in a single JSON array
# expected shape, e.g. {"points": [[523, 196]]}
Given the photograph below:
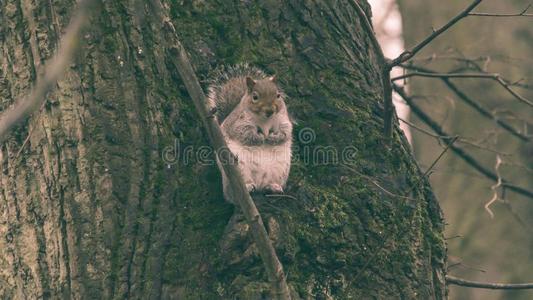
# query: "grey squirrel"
{"points": [[250, 108]]}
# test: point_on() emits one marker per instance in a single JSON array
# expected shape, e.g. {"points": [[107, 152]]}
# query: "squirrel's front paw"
{"points": [[274, 188], [254, 138], [250, 187], [275, 137], [258, 139]]}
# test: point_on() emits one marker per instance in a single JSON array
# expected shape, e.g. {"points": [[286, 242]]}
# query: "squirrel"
{"points": [[250, 108]]}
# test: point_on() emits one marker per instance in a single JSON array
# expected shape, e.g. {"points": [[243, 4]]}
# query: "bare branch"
{"points": [[440, 57], [444, 75], [484, 112], [458, 151], [54, 69], [511, 91], [483, 285], [274, 269], [523, 13], [522, 85], [493, 76], [406, 55], [461, 140], [474, 61], [474, 104]]}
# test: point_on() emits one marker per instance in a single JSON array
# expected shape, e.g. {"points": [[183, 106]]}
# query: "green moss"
{"points": [[361, 226]]}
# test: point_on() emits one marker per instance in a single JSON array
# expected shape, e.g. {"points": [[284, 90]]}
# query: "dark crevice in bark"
{"points": [[64, 243], [143, 145], [34, 53], [54, 21], [43, 269]]}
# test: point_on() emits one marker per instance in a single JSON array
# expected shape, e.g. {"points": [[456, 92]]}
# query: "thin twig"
{"points": [[461, 140], [449, 267], [472, 103], [280, 196], [374, 182], [461, 263], [474, 61], [453, 237], [517, 217], [406, 55], [274, 269], [54, 69], [444, 75], [492, 76], [451, 142], [485, 285], [458, 151], [29, 133], [426, 132], [440, 57], [522, 85], [523, 13]]}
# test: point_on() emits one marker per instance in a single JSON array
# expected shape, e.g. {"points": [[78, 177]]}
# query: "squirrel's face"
{"points": [[265, 99]]}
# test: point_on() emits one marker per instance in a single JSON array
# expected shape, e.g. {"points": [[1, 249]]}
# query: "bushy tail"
{"points": [[227, 86]]}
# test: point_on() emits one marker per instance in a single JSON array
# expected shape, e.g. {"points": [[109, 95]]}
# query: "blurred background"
{"points": [[480, 247]]}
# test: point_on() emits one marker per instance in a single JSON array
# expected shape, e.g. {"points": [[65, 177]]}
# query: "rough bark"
{"points": [[99, 205]]}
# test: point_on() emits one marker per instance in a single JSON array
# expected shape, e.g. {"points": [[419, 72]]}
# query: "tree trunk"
{"points": [[116, 195]]}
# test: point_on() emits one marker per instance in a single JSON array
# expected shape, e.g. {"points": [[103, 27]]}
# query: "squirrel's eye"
{"points": [[278, 95], [255, 96]]}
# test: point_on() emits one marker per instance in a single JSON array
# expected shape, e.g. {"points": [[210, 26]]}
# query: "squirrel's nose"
{"points": [[269, 113]]}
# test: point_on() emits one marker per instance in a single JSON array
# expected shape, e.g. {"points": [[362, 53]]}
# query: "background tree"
{"points": [[100, 198], [488, 249]]}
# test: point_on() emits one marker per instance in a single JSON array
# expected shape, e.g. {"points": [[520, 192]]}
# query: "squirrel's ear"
{"points": [[272, 78], [250, 83]]}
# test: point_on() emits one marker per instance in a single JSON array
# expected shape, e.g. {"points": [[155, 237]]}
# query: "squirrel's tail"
{"points": [[227, 86]]}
